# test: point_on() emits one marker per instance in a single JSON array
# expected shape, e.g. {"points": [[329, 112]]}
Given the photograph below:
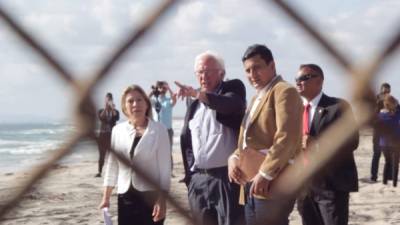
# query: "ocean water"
{"points": [[25, 145]]}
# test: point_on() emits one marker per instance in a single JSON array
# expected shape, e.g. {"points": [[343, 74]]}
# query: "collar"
{"points": [[219, 87], [314, 102], [267, 86], [131, 129]]}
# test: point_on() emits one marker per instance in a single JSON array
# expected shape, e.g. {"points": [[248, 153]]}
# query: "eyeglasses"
{"points": [[208, 71], [305, 77]]}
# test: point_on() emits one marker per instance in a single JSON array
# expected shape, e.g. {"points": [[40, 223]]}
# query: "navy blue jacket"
{"points": [[229, 102]]}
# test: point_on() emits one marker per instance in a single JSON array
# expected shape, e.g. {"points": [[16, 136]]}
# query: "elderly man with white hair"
{"points": [[209, 136]]}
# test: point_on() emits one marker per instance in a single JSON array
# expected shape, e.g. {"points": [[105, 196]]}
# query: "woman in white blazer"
{"points": [[145, 144]]}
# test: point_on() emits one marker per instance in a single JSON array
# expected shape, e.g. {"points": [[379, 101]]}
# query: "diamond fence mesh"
{"points": [[85, 117]]}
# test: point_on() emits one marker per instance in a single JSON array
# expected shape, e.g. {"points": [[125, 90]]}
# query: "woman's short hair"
{"points": [[137, 88], [390, 103]]}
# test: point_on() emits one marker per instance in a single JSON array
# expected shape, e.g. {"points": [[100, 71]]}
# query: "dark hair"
{"points": [[385, 85], [160, 83], [109, 95], [260, 50], [314, 67]]}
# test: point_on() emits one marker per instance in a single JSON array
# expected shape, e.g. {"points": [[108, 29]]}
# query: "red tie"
{"points": [[306, 119], [306, 130]]}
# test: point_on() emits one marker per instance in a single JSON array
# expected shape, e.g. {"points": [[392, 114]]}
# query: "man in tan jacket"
{"points": [[272, 125]]}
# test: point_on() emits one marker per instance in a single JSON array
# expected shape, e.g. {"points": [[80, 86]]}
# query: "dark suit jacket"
{"points": [[340, 174], [229, 102]]}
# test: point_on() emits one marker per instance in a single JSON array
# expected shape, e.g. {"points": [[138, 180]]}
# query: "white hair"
{"points": [[213, 55]]}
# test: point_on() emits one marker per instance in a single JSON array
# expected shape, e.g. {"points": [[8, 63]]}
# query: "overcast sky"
{"points": [[82, 34]]}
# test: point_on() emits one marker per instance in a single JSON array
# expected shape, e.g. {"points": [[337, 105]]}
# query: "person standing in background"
{"points": [[376, 155], [108, 117], [163, 106], [389, 135]]}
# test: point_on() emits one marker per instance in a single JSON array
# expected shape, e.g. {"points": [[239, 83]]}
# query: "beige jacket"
{"points": [[276, 125]]}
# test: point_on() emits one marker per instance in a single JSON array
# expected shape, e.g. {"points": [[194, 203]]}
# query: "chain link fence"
{"points": [[363, 98]]}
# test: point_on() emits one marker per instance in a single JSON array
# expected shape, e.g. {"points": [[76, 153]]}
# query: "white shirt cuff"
{"points": [[266, 176]]}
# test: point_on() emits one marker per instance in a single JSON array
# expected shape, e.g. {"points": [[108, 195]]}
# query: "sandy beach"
{"points": [[70, 194]]}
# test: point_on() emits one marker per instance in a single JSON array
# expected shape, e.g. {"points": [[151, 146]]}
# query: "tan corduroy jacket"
{"points": [[276, 125]]}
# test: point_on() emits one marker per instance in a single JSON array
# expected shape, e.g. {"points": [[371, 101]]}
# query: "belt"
{"points": [[212, 171]]}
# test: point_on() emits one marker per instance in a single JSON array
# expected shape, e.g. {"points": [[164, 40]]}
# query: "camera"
{"points": [[155, 91], [156, 88], [110, 104]]}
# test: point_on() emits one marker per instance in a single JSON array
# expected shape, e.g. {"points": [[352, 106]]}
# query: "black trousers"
{"points": [[136, 207], [324, 207], [391, 168], [104, 145], [376, 155], [171, 139]]}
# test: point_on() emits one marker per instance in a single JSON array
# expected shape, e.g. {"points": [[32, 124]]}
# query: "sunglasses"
{"points": [[305, 77]]}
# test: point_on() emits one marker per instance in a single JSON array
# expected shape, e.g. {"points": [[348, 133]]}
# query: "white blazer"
{"points": [[152, 154]]}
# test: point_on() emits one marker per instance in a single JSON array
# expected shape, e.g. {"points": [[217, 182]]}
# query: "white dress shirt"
{"points": [[152, 155], [212, 142], [313, 106]]}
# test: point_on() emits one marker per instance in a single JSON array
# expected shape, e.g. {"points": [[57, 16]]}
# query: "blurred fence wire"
{"points": [[85, 116]]}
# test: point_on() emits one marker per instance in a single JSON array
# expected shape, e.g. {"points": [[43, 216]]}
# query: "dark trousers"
{"points": [[213, 199], [267, 211], [376, 155], [324, 207], [136, 208], [104, 145], [391, 168], [171, 139]]}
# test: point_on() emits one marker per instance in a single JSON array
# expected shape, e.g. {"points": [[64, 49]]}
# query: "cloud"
{"points": [[365, 30], [82, 34]]}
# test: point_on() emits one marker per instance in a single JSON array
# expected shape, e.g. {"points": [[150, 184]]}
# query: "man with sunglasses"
{"points": [[326, 200]]}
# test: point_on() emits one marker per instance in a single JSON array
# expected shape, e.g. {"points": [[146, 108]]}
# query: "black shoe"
{"points": [[98, 175]]}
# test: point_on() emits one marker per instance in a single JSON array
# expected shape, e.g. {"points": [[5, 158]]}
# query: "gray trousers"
{"points": [[213, 199]]}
